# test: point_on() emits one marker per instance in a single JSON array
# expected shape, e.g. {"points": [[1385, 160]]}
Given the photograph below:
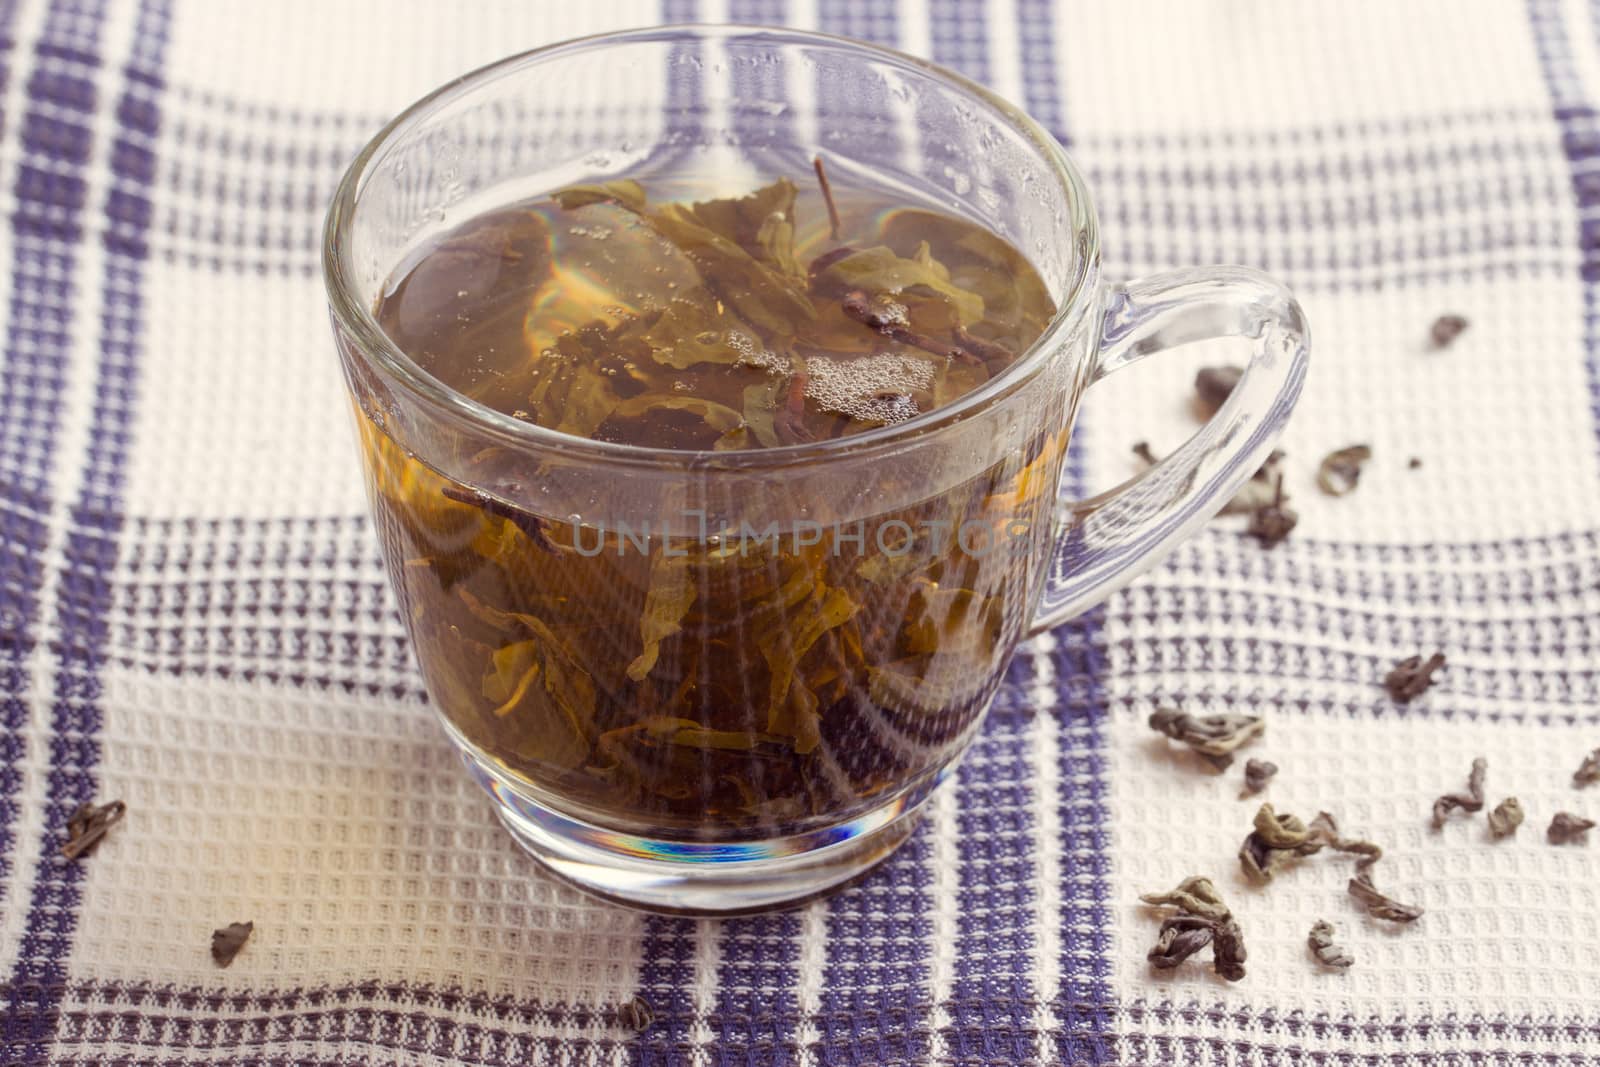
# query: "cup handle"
{"points": [[1104, 541]]}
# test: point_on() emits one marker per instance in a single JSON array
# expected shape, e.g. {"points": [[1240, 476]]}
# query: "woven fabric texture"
{"points": [[194, 619]]}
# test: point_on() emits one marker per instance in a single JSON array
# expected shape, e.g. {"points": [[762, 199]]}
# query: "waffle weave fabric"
{"points": [[194, 619]]}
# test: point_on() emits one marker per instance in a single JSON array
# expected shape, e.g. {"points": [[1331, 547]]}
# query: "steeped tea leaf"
{"points": [[630, 194], [880, 270], [671, 593]]}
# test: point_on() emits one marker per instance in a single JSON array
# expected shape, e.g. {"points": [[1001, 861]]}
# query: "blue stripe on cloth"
{"points": [[38, 982], [667, 982], [759, 12], [23, 531], [958, 37], [1579, 120], [1083, 1005], [1041, 74], [44, 228]]}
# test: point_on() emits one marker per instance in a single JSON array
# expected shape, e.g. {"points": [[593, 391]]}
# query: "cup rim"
{"points": [[360, 323]]}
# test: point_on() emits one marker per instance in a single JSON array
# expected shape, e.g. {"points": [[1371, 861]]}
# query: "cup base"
{"points": [[693, 878]]}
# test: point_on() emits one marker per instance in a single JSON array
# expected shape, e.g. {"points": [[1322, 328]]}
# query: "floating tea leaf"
{"points": [[1567, 827], [1328, 954], [88, 824], [1203, 919], [827, 197], [1412, 676], [1588, 771], [1445, 329], [1340, 471], [1257, 772], [1214, 737], [226, 942], [1506, 817], [1378, 905], [636, 1015], [1271, 523], [1214, 385], [1471, 800]]}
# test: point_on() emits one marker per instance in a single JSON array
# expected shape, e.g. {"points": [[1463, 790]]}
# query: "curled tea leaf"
{"points": [[1213, 386], [1276, 841], [1567, 827], [1257, 772], [1412, 676], [1325, 829], [1470, 800], [1328, 954], [1261, 491], [1214, 737], [226, 942], [1181, 937], [1195, 895], [1445, 329], [1340, 470], [1378, 905], [88, 824], [1203, 918], [1271, 523], [1588, 771], [1227, 950], [1506, 817], [636, 1015]]}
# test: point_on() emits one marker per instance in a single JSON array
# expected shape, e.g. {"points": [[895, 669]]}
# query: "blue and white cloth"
{"points": [[193, 617]]}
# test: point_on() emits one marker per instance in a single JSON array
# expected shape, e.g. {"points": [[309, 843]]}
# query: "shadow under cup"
{"points": [[711, 681]]}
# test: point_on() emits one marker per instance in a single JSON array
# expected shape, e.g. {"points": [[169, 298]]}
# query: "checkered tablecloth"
{"points": [[193, 617]]}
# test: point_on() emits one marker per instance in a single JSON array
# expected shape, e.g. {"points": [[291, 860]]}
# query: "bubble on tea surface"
{"points": [[875, 388]]}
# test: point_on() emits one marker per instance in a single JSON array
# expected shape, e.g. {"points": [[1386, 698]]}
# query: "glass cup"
{"points": [[723, 681]]}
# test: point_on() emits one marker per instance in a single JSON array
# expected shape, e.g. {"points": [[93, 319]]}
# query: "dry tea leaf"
{"points": [[1203, 919], [1378, 905], [1213, 385], [1214, 737], [88, 825], [1412, 676], [1194, 896], [1471, 800], [1567, 827], [1257, 772], [1445, 329], [636, 1015], [1276, 841], [1506, 817], [1414, 462], [1271, 523], [1340, 470], [1142, 450], [226, 942], [1325, 829], [1588, 771], [1181, 937], [1328, 954], [1261, 491]]}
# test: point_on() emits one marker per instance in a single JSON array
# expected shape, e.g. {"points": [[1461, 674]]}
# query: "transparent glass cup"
{"points": [[838, 615]]}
